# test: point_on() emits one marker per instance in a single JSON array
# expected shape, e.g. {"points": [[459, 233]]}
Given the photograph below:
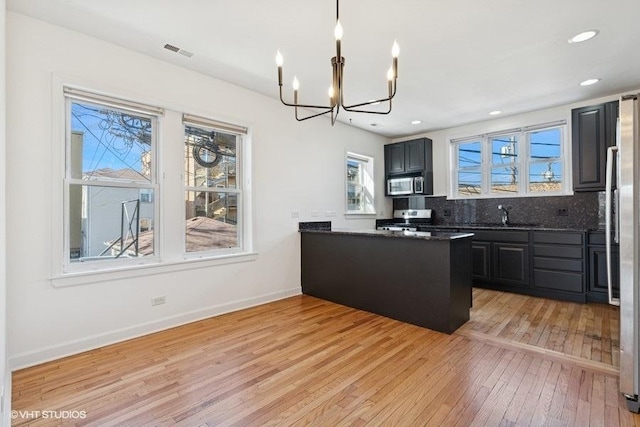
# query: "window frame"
{"points": [[369, 205], [72, 95], [523, 163], [169, 256], [240, 133]]}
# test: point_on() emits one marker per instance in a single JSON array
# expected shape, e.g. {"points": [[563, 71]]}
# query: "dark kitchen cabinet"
{"points": [[559, 264], [597, 288], [481, 261], [500, 259], [511, 264], [394, 159], [593, 130], [408, 157]]}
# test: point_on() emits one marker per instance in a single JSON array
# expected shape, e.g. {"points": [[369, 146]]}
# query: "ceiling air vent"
{"points": [[176, 49], [172, 48]]}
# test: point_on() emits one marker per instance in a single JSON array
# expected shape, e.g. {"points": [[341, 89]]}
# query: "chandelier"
{"points": [[336, 90]]}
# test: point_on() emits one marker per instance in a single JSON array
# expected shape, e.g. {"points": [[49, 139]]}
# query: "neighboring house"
{"points": [[105, 209]]}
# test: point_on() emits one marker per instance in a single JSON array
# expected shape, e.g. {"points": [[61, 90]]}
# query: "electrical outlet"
{"points": [[315, 214], [563, 212], [295, 214], [158, 300], [446, 212]]}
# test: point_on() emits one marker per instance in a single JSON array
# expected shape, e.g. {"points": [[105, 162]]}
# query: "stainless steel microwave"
{"points": [[405, 186]]}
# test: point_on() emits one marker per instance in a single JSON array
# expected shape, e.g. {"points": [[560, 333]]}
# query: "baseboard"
{"points": [[58, 351]]}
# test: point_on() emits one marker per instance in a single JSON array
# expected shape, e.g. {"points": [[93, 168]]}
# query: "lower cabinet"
{"points": [[559, 264], [565, 265], [549, 264], [597, 289], [481, 254], [511, 264], [500, 258]]}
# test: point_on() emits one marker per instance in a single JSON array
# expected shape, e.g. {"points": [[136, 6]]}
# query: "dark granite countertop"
{"points": [[522, 227], [425, 235]]}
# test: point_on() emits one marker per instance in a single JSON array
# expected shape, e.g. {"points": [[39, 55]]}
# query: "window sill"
{"points": [[359, 215], [129, 272]]}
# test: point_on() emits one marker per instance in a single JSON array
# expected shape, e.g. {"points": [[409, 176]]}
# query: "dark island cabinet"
{"points": [[408, 157], [593, 130], [597, 290]]}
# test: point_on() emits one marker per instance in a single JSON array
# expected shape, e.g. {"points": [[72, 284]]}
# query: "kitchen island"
{"points": [[422, 278]]}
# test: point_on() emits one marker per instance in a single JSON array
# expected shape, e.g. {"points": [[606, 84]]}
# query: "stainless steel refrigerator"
{"points": [[622, 225]]}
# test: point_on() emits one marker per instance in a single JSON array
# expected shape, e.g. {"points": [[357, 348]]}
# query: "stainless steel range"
{"points": [[406, 220]]}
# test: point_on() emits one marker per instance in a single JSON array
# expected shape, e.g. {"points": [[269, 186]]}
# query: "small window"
{"points": [[545, 161], [504, 164], [469, 170], [359, 184]]}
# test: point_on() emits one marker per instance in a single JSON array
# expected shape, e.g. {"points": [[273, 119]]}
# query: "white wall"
{"points": [[5, 375], [441, 138], [296, 167]]}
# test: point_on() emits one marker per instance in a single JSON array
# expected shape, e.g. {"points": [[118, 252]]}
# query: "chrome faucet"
{"points": [[505, 215]]}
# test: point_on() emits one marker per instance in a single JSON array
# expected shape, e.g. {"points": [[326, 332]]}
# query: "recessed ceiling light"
{"points": [[495, 112], [589, 82], [416, 122], [584, 36]]}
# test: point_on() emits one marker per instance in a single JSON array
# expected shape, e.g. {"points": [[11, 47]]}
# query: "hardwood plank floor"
{"points": [[299, 361]]}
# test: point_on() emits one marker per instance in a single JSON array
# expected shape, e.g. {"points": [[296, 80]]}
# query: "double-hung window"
{"points": [[518, 162], [213, 185], [359, 184], [110, 179], [114, 197]]}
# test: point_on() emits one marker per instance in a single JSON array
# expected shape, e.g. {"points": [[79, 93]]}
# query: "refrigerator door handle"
{"points": [[611, 153]]}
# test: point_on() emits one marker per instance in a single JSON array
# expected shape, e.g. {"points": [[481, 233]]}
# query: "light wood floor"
{"points": [[299, 361]]}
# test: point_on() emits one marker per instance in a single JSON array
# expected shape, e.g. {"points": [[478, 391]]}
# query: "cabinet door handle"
{"points": [[611, 152]]}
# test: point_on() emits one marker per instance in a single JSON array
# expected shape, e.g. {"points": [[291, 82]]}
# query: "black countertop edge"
{"points": [[425, 235], [505, 227]]}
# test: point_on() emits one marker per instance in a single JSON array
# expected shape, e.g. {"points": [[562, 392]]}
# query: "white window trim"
{"points": [[371, 170], [169, 262], [523, 163], [70, 95], [240, 132]]}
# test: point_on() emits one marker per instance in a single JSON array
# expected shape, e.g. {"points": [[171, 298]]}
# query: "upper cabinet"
{"points": [[593, 130], [408, 157]]}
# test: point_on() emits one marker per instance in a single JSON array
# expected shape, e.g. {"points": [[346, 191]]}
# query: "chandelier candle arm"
{"points": [[336, 91]]}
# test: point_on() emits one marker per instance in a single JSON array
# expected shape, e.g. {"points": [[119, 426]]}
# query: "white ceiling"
{"points": [[459, 59]]}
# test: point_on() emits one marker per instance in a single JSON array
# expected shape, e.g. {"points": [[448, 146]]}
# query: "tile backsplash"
{"points": [[580, 211]]}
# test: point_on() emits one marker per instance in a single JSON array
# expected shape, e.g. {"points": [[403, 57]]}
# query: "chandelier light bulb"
{"points": [[338, 31], [330, 92], [296, 83], [395, 50], [390, 74], [279, 59]]}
